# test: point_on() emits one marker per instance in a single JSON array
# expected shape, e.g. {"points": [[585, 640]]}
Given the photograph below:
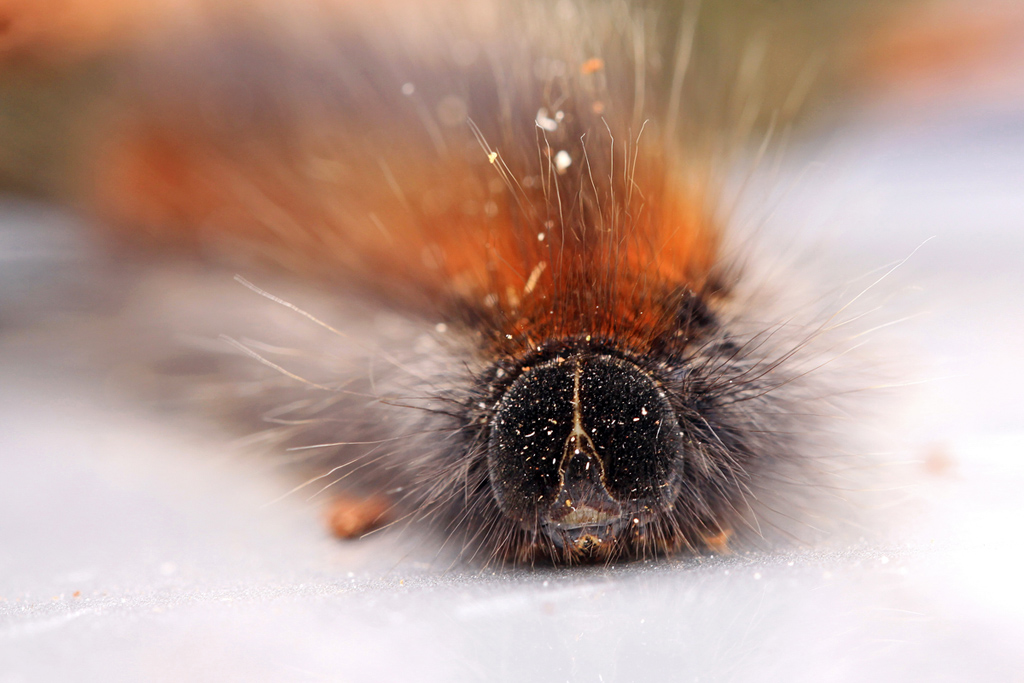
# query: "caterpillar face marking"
{"points": [[580, 370]]}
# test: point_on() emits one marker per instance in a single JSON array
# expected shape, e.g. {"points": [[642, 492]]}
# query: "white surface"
{"points": [[132, 548]]}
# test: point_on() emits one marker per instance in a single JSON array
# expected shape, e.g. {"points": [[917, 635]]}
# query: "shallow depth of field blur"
{"points": [[137, 546]]}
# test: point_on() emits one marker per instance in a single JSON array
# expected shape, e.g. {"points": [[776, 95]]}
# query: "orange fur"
{"points": [[546, 235], [69, 30]]}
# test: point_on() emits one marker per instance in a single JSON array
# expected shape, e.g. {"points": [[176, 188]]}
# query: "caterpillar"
{"points": [[534, 329]]}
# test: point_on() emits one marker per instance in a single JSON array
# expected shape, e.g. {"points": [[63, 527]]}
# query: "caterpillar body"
{"points": [[538, 335]]}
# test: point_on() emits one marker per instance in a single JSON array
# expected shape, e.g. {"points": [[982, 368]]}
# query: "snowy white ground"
{"points": [[132, 549]]}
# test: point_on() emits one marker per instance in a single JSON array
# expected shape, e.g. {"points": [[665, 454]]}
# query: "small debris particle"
{"points": [[562, 161], [545, 122], [938, 461]]}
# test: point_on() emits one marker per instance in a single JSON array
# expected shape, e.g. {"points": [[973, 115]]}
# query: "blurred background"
{"points": [[137, 545]]}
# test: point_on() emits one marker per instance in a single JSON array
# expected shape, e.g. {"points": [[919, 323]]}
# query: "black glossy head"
{"points": [[583, 446]]}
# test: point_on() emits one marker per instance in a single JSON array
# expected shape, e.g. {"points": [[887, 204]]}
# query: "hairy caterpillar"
{"points": [[540, 339]]}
